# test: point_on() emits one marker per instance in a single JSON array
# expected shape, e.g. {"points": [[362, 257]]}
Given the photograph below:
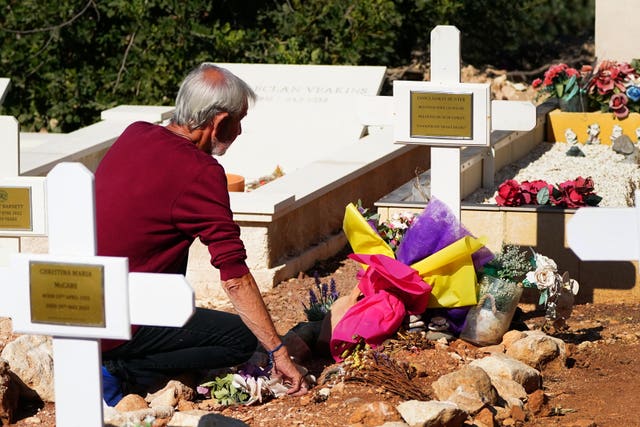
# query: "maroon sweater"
{"points": [[155, 193]]}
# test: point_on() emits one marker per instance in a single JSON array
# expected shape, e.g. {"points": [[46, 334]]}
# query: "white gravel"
{"points": [[614, 180]]}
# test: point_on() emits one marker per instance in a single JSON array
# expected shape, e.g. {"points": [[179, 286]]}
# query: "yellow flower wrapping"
{"points": [[449, 271]]}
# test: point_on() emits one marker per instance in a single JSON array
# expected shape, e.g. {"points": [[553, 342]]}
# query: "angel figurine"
{"points": [[570, 136], [593, 134], [616, 132]]}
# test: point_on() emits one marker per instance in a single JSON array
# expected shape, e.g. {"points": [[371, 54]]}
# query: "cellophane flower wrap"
{"points": [[436, 248]]}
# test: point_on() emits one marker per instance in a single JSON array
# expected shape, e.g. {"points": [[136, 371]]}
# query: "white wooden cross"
{"points": [[447, 115], [606, 234], [22, 199], [79, 298]]}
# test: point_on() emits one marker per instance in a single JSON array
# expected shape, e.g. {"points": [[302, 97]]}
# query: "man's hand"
{"points": [[247, 300], [292, 377]]}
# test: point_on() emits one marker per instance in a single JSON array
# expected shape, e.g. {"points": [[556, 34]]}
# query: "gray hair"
{"points": [[200, 98]]}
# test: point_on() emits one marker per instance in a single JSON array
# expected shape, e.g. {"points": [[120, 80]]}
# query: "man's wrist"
{"points": [[271, 353], [277, 348]]}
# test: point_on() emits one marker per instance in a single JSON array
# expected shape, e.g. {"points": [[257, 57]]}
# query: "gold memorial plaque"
{"points": [[67, 294], [441, 115], [15, 208]]}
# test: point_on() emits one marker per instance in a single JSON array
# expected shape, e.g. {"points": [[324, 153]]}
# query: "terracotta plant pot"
{"points": [[235, 182]]}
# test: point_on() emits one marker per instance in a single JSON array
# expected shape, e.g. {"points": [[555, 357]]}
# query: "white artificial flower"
{"points": [[254, 387], [543, 262], [397, 224], [544, 278]]}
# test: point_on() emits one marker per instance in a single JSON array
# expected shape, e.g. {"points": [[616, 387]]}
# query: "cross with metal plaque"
{"points": [[79, 298], [448, 115], [22, 198]]}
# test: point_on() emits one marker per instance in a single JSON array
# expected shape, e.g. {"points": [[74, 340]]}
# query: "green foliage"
{"points": [[511, 263], [68, 60], [503, 292], [225, 392], [328, 32]]}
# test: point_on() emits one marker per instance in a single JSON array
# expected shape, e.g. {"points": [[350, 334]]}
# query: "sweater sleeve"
{"points": [[203, 210]]}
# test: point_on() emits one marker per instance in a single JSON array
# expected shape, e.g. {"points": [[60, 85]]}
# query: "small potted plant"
{"points": [[563, 83], [499, 292]]}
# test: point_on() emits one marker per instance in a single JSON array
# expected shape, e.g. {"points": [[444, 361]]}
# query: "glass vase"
{"points": [[489, 320]]}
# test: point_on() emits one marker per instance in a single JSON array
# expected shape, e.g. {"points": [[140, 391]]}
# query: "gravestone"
{"points": [[447, 115], [303, 112], [79, 298], [611, 17]]}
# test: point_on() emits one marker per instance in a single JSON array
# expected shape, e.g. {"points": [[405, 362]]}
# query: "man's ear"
{"points": [[222, 126]]}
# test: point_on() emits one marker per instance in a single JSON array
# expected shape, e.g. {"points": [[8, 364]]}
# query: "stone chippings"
{"points": [[614, 176]]}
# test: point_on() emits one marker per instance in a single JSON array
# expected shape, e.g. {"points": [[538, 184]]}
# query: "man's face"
{"points": [[229, 131]]}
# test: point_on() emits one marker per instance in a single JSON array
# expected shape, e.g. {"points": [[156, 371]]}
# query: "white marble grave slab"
{"points": [[303, 113]]}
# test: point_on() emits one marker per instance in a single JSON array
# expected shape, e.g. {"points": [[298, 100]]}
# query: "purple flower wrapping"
{"points": [[436, 228]]}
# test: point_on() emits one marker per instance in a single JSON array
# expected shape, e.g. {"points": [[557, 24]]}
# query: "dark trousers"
{"points": [[210, 339]]}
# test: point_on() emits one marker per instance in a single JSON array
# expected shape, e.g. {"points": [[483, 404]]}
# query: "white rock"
{"points": [[30, 357]]}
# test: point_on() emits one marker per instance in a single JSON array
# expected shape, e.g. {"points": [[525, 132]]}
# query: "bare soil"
{"points": [[598, 386]]}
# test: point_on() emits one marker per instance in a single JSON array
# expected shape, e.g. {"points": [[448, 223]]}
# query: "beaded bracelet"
{"points": [[270, 353]]}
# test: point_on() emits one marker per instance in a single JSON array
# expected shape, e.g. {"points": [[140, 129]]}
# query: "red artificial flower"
{"points": [[536, 83], [618, 103], [509, 194], [530, 190], [584, 185], [610, 75]]}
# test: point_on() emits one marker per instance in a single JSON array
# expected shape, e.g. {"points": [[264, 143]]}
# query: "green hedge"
{"points": [[69, 60]]}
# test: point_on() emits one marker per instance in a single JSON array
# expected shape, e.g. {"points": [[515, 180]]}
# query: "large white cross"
{"points": [[606, 234], [79, 298], [447, 115]]}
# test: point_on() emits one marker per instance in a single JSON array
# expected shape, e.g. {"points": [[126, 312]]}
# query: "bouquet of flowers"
{"points": [[569, 194], [499, 292], [615, 87], [393, 230], [610, 86], [432, 267], [557, 291], [560, 81]]}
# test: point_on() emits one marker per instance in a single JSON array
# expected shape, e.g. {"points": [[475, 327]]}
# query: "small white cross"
{"points": [[606, 234]]}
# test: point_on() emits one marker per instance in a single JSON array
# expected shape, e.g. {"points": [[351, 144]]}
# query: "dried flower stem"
{"points": [[378, 369]]}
